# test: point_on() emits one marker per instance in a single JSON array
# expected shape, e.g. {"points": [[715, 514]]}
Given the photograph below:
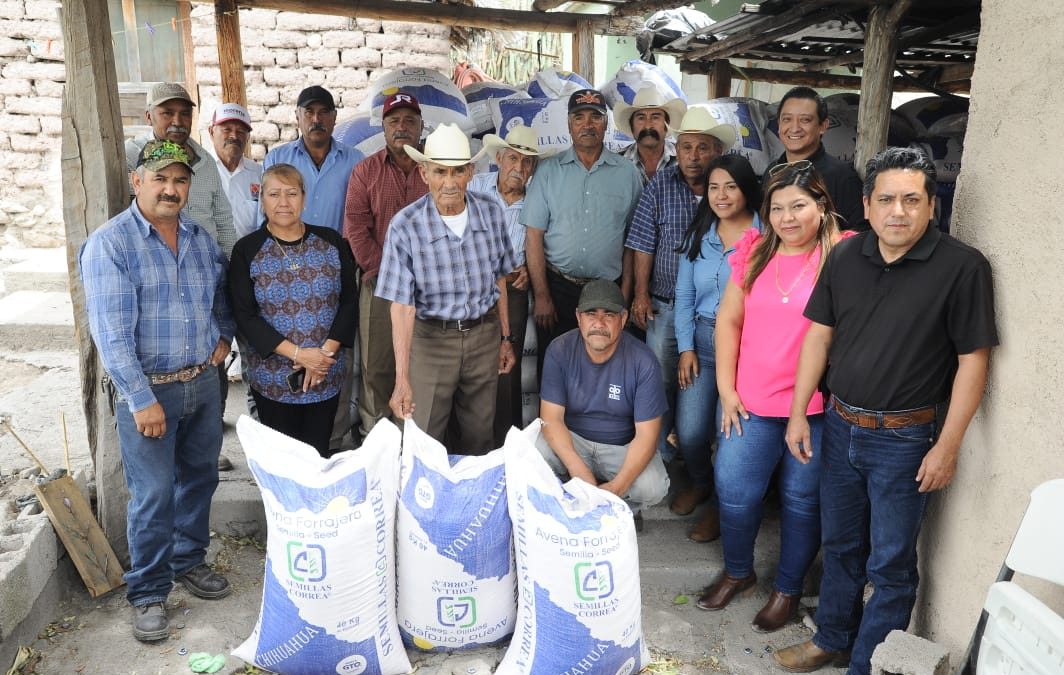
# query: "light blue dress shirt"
{"points": [[326, 187]]}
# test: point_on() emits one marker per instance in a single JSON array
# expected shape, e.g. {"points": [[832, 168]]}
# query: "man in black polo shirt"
{"points": [[803, 121], [905, 316]]}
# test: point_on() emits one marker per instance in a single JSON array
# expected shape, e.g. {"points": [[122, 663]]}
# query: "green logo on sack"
{"points": [[306, 562], [594, 581]]}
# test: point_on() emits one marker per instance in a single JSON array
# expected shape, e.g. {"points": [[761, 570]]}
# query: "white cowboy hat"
{"points": [[446, 145], [645, 99], [698, 120], [520, 138]]}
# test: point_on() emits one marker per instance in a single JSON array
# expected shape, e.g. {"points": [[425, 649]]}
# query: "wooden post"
{"points": [[230, 59], [584, 51], [877, 79], [95, 188], [720, 79]]}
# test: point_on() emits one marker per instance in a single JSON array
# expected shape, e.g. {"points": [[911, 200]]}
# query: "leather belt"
{"points": [[885, 420], [579, 281], [512, 277], [183, 375], [461, 325], [662, 298]]}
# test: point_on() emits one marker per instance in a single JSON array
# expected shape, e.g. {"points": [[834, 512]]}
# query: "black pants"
{"points": [[311, 423], [566, 296]]}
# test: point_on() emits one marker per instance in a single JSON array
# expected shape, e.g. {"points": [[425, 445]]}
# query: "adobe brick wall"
{"points": [[283, 52]]}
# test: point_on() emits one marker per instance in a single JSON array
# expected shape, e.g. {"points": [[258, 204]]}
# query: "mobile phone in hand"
{"points": [[295, 380]]}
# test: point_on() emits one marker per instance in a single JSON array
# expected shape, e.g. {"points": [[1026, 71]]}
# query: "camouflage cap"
{"points": [[157, 155]]}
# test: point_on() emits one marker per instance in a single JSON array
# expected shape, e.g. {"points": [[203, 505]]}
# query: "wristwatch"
{"points": [[508, 338]]}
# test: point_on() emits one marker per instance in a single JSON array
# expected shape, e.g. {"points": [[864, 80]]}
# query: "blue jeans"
{"points": [[661, 338], [744, 467], [871, 514], [171, 482], [697, 415]]}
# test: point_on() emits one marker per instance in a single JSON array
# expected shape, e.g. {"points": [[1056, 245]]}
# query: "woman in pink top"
{"points": [[759, 334]]}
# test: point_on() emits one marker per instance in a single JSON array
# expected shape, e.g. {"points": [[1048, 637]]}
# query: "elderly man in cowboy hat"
{"points": [[646, 120], [444, 267], [516, 156], [665, 209]]}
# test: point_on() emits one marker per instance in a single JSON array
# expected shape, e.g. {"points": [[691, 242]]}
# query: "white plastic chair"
{"points": [[1022, 636]]}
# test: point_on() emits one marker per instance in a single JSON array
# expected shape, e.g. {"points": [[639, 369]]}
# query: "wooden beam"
{"points": [[817, 80], [877, 81], [129, 20], [452, 15], [584, 51], [230, 56], [799, 16], [95, 188], [644, 7], [719, 79], [544, 5]]}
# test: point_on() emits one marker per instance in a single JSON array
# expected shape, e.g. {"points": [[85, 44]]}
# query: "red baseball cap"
{"points": [[400, 100]]}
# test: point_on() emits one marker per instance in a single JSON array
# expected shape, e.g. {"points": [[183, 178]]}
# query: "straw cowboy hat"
{"points": [[520, 138], [698, 120], [645, 99], [446, 145]]}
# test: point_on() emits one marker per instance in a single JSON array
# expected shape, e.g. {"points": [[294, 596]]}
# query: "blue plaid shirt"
{"points": [[441, 275], [662, 215], [149, 311], [488, 184], [326, 187]]}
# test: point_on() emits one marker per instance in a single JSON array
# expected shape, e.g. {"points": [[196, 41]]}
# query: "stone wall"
{"points": [[283, 52]]}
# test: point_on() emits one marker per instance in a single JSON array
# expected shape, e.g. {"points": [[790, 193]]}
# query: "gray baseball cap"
{"points": [[601, 294]]}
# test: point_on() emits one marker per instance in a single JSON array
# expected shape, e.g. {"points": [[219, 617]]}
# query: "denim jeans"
{"points": [[871, 512], [171, 482], [605, 460], [744, 467], [697, 414], [661, 338]]}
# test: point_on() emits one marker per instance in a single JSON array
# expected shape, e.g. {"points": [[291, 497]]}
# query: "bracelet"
{"points": [[508, 338], [296, 355]]}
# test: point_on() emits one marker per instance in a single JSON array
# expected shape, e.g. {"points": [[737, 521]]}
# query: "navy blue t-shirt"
{"points": [[604, 401]]}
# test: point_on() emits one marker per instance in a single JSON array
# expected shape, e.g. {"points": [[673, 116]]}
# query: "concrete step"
{"points": [[36, 269], [36, 321]]}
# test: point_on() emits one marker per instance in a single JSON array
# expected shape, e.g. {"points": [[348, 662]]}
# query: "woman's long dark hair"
{"points": [[738, 167]]}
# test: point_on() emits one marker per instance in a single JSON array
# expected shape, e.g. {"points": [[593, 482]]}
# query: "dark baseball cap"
{"points": [[315, 93], [601, 294], [400, 100], [587, 99]]}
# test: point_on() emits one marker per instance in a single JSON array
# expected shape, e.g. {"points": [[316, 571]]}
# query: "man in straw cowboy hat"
{"points": [[665, 209], [516, 156], [444, 267], [646, 120], [577, 212]]}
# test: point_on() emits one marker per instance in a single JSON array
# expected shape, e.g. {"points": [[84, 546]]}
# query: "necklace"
{"points": [[289, 263], [785, 295]]}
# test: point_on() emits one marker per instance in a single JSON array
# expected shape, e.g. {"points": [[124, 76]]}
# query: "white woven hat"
{"points": [[446, 145], [520, 138], [645, 99], [698, 120]]}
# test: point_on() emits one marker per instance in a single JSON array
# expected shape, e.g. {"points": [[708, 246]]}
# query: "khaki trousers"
{"points": [[376, 356]]}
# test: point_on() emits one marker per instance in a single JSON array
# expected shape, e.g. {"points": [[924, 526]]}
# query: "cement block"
{"points": [[297, 21], [205, 56], [284, 57], [278, 77], [343, 39], [361, 57], [34, 143], [258, 152], [282, 115], [265, 131], [261, 96], [347, 78], [10, 46], [47, 10], [35, 71], [5, 141], [29, 551], [34, 105], [204, 35], [49, 89], [425, 44], [907, 654], [368, 25], [284, 39], [208, 75], [31, 30], [12, 9], [53, 126], [421, 28], [382, 41], [13, 86], [318, 57], [255, 55], [264, 19], [18, 160], [313, 39]]}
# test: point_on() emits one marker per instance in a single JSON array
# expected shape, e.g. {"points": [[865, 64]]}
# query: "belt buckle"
{"points": [[462, 327]]}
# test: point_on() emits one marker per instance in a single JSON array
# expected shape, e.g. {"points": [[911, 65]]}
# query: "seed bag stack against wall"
{"points": [[579, 606], [328, 598], [455, 547]]}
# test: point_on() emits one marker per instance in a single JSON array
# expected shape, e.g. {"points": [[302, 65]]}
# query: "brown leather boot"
{"points": [[708, 529], [688, 500], [779, 610], [721, 593], [806, 657]]}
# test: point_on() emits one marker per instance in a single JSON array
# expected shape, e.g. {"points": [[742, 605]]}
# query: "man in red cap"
{"points": [[380, 186]]}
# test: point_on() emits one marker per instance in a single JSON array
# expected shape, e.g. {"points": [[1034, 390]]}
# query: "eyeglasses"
{"points": [[800, 165]]}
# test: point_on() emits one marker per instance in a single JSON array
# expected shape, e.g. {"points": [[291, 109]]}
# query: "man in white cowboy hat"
{"points": [[444, 267], [576, 213], [665, 209], [646, 120], [516, 156]]}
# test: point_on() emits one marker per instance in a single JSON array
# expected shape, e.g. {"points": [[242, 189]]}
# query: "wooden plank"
{"points": [[877, 81], [719, 79], [818, 80], [85, 542], [129, 20], [184, 15], [95, 188], [230, 57], [584, 51], [452, 15], [644, 8]]}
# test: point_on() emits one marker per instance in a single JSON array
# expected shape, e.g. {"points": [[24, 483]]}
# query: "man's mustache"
{"points": [[170, 198], [648, 132], [598, 331], [176, 129], [234, 141], [318, 127]]}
